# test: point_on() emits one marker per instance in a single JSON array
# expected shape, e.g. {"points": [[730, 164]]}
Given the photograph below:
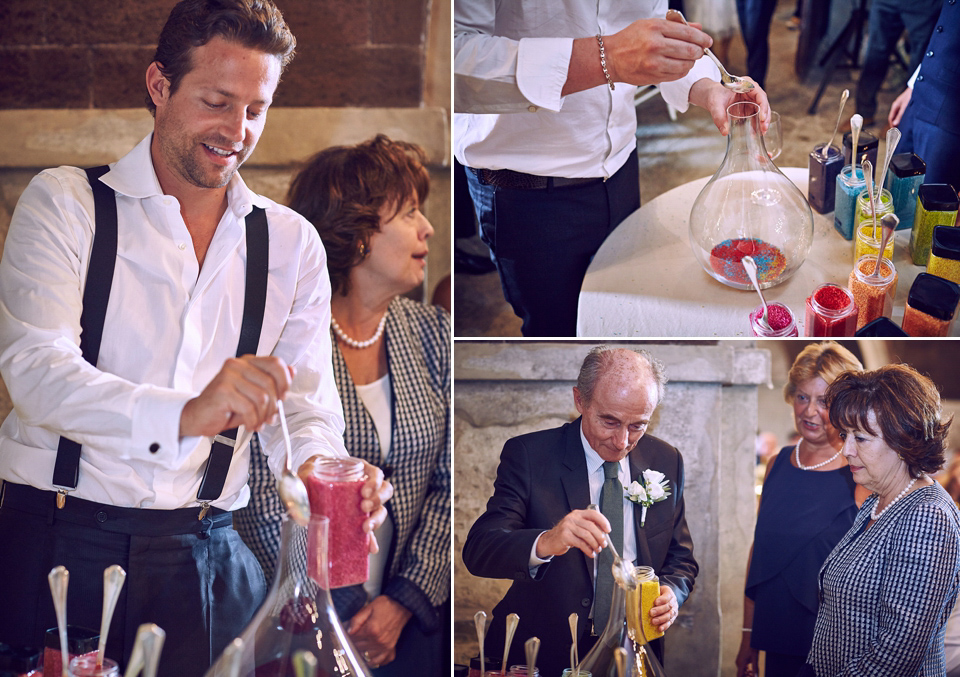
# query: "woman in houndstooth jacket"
{"points": [[889, 585], [391, 359]]}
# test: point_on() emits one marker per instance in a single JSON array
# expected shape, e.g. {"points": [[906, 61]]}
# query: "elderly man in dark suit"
{"points": [[538, 531]]}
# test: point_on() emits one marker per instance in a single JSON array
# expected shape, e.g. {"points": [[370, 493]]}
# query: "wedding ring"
{"points": [[366, 656]]}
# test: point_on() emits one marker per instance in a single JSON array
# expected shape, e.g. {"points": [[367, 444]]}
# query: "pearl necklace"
{"points": [[874, 515], [796, 455], [354, 343]]}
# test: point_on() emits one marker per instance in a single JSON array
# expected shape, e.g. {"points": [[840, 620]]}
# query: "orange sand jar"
{"points": [[873, 295], [639, 603]]}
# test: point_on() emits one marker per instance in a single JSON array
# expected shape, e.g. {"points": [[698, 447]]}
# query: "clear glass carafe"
{"points": [[750, 208], [298, 614], [641, 661]]}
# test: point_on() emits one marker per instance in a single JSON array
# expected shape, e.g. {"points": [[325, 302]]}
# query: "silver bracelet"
{"points": [[603, 62], [748, 630]]}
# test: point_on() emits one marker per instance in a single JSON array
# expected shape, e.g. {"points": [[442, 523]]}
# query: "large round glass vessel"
{"points": [[750, 208]]}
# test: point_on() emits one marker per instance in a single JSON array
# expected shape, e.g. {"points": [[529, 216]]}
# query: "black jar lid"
{"points": [[461, 670], [934, 296], [19, 660], [882, 326], [80, 640], [907, 164], [946, 242], [493, 664], [866, 141], [938, 197]]}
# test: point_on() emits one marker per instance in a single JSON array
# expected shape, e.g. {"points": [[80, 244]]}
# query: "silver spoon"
{"points": [[512, 621], [732, 82], [626, 573], [893, 138], [889, 224], [573, 619], [480, 620], [59, 579], [152, 645], [113, 578], [843, 102], [868, 179], [304, 664], [856, 124], [750, 266], [290, 487], [531, 648], [620, 659]]}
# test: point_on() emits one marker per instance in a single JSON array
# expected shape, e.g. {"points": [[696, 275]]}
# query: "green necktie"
{"points": [[611, 505]]}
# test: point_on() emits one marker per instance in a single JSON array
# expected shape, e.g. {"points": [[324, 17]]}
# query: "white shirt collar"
{"points": [[133, 175], [594, 461]]}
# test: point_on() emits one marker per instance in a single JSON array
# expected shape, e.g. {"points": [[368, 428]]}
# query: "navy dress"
{"points": [[802, 516]]}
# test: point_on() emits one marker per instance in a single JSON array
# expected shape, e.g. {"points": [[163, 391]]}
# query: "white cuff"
{"points": [[156, 425], [542, 67]]}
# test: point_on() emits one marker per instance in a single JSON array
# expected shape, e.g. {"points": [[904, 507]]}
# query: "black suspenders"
{"points": [[96, 293]]}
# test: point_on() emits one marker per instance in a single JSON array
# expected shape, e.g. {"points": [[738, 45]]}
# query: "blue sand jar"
{"points": [[849, 187], [907, 172]]}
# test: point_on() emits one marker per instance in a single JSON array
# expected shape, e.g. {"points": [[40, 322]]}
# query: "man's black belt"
{"points": [[507, 178]]}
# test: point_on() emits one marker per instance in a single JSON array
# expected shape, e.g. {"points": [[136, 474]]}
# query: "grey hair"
{"points": [[598, 359]]}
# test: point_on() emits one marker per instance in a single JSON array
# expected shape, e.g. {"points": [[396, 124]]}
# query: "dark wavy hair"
{"points": [[256, 24], [342, 189], [908, 411]]}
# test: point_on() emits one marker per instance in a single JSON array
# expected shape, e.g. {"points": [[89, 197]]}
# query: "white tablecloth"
{"points": [[646, 281]]}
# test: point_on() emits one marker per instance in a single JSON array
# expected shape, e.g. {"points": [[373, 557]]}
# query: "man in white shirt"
{"points": [[537, 528], [166, 381], [546, 126]]}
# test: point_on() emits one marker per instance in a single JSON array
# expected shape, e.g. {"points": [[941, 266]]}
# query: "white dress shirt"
{"points": [[169, 327], [510, 64]]}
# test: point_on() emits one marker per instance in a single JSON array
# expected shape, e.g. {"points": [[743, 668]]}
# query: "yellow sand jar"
{"points": [[864, 213], [944, 258], [865, 244], [873, 295], [639, 603]]}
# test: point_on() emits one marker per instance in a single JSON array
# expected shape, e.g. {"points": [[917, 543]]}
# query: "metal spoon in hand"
{"points": [[889, 224], [732, 82], [750, 266], [292, 492], [621, 571]]}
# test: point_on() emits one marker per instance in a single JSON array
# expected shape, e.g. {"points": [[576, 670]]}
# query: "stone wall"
{"points": [[504, 389]]}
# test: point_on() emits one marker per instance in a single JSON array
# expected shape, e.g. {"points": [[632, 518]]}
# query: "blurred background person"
{"points": [[755, 17], [718, 19], [892, 580], [808, 503], [391, 360]]}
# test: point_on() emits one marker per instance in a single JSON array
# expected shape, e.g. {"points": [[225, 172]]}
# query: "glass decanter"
{"points": [[750, 208], [298, 614], [600, 661]]}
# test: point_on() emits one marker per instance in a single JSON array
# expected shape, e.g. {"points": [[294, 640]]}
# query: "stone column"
{"points": [[504, 389]]}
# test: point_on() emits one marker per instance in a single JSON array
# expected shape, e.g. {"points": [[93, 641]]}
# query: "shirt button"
{"points": [[585, 602], [939, 29], [101, 517], [919, 78], [182, 246], [154, 448], [930, 53], [532, 109]]}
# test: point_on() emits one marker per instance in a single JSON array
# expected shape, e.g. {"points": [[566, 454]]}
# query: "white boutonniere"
{"points": [[654, 488]]}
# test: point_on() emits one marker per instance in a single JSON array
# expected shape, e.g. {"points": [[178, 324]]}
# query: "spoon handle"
{"points": [[232, 656], [843, 102], [113, 578], [152, 645], [286, 435], [531, 649], [893, 139], [512, 621], [59, 579], [573, 619], [480, 621]]}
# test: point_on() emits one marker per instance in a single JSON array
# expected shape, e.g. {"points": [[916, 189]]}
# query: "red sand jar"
{"points": [[86, 666], [831, 311], [80, 641], [334, 491], [779, 318]]}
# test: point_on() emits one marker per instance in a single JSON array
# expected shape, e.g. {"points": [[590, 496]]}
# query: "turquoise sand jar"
{"points": [[936, 206], [749, 208], [849, 186], [824, 167], [903, 181]]}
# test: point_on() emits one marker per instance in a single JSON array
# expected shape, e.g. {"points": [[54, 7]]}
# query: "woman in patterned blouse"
{"points": [[890, 583]]}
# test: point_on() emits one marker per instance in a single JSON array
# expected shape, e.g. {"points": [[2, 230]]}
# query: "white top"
{"points": [[377, 397], [510, 64], [169, 328]]}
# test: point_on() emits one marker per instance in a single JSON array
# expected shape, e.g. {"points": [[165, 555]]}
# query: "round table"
{"points": [[646, 281]]}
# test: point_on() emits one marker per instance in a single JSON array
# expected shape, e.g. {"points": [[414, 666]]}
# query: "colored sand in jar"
{"points": [[830, 311], [779, 318], [873, 296], [338, 499], [80, 642], [639, 603], [726, 257], [86, 665], [868, 245], [849, 187]]}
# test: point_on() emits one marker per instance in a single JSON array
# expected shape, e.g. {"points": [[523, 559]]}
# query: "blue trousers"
{"points": [[887, 21], [755, 17], [195, 579], [543, 241]]}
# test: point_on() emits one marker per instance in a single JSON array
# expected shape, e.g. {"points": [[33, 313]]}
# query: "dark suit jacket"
{"points": [[542, 477]]}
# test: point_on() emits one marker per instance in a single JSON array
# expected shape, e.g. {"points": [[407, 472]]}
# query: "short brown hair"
{"points": [[342, 189], [256, 24], [827, 360], [907, 407]]}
